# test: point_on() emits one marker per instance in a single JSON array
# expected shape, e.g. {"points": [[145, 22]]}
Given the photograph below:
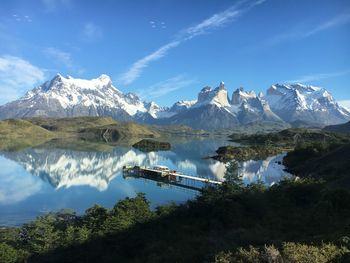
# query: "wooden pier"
{"points": [[166, 173]]}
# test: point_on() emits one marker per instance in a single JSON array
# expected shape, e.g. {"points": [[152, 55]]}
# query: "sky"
{"points": [[167, 50]]}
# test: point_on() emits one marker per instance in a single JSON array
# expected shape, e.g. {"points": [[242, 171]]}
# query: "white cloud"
{"points": [[345, 104], [54, 5], [136, 69], [318, 76], [60, 57], [92, 32], [300, 34], [336, 21], [16, 76], [214, 22], [64, 58], [167, 86]]}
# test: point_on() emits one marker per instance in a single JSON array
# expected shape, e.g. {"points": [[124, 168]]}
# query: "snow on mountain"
{"points": [[298, 102], [182, 105], [213, 109], [70, 97], [217, 97], [251, 108]]}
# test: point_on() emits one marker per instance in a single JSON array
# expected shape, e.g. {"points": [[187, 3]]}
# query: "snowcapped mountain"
{"points": [[251, 108], [213, 108], [69, 97], [299, 102]]}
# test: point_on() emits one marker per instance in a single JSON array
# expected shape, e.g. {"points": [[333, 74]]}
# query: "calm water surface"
{"points": [[35, 181]]}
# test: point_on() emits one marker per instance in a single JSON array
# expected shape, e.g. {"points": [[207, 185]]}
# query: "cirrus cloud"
{"points": [[214, 22], [164, 87]]}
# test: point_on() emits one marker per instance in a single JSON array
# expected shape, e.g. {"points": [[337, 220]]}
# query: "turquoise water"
{"points": [[35, 181]]}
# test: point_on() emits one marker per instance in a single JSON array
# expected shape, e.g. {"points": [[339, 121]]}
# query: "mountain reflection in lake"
{"points": [[38, 180]]}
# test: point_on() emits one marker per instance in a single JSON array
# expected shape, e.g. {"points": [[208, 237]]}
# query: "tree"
{"points": [[40, 235], [127, 213], [231, 175], [95, 217]]}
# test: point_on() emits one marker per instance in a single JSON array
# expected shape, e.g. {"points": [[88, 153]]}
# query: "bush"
{"points": [[289, 253], [7, 254]]}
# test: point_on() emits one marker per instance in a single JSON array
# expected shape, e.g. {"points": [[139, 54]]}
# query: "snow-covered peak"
{"points": [[278, 89], [239, 96], [182, 105], [300, 96], [218, 96], [154, 109], [304, 102], [105, 78], [94, 95], [185, 103]]}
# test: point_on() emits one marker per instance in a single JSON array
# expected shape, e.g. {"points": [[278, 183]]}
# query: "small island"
{"points": [[147, 145], [227, 153]]}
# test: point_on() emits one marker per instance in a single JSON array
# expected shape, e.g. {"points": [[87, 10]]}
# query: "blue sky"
{"points": [[166, 50]]}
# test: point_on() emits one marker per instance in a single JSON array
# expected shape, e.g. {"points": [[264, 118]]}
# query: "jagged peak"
{"points": [[241, 92], [206, 89]]}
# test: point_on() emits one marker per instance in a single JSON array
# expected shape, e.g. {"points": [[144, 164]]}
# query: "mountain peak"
{"points": [[104, 78], [240, 95], [218, 96]]}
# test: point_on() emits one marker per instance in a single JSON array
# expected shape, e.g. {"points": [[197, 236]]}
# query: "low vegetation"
{"points": [[290, 137], [260, 146], [288, 252], [327, 161], [256, 152]]}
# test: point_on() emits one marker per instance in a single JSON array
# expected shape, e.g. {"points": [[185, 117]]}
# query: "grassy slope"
{"points": [[18, 134], [94, 132], [15, 128], [71, 125]]}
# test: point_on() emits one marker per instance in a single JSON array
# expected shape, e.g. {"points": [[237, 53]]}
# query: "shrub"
{"points": [[7, 253]]}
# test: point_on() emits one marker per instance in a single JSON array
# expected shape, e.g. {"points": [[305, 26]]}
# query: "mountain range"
{"points": [[213, 108]]}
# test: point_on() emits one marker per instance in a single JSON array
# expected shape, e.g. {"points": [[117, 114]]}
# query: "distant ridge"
{"points": [[340, 128]]}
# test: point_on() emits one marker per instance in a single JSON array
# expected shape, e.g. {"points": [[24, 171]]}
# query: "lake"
{"points": [[35, 181]]}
